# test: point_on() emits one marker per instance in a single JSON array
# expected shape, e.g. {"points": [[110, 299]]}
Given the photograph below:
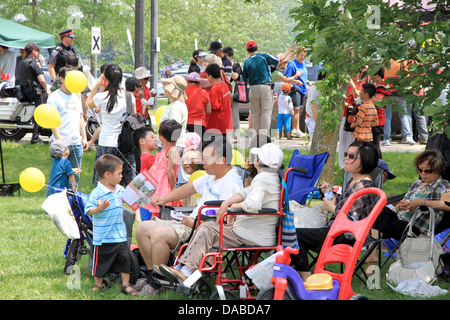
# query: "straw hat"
{"points": [[176, 86], [212, 58]]}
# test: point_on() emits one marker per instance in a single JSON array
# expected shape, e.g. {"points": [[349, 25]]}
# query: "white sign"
{"points": [[96, 41]]}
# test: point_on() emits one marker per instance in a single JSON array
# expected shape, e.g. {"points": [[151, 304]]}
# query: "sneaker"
{"points": [[386, 143], [424, 142], [301, 134], [148, 291], [410, 141]]}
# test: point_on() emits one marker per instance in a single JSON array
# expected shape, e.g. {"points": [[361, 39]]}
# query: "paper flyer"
{"points": [[140, 190]]}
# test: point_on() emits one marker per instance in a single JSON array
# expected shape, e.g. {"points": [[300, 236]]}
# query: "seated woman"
{"points": [[430, 190], [360, 159]]}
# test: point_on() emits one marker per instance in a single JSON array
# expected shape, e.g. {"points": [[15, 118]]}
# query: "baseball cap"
{"points": [[67, 33], [30, 46], [270, 154], [251, 44], [383, 165], [215, 46], [58, 147], [286, 87]]}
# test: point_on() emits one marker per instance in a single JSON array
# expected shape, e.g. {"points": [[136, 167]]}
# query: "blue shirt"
{"points": [[108, 225], [257, 67], [292, 68], [59, 175]]}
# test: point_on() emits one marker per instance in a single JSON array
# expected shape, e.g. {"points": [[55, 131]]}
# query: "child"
{"points": [[367, 116], [191, 162], [285, 110], [167, 161], [219, 96], [61, 172], [111, 253], [145, 140], [133, 85]]}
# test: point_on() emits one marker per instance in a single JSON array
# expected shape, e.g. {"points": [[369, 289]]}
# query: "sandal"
{"points": [[132, 292], [97, 288]]}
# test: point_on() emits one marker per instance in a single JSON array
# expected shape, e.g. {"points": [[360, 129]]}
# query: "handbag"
{"points": [[350, 118], [418, 257], [241, 92]]}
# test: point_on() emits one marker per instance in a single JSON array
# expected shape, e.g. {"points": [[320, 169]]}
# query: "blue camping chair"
{"points": [[300, 184]]}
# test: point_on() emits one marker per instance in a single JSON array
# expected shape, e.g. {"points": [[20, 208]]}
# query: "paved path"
{"points": [[300, 143]]}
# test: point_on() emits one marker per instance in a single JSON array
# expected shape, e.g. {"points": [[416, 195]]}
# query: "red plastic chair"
{"points": [[344, 253]]}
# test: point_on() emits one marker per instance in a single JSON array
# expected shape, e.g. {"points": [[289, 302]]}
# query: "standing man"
{"points": [[59, 55], [216, 48], [70, 108], [32, 83], [256, 73]]}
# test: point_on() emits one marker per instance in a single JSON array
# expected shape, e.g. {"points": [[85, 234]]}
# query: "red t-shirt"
{"points": [[220, 117], [197, 98], [147, 160]]}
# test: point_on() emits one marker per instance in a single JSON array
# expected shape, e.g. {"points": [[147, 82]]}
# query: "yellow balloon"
{"points": [[75, 81], [197, 174], [238, 158], [159, 112], [32, 179], [47, 116]]}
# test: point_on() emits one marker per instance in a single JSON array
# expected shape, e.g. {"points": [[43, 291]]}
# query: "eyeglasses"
{"points": [[351, 156], [427, 171]]}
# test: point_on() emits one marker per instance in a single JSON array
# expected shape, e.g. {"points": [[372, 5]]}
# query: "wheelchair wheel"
{"points": [[201, 289], [229, 295], [72, 256], [269, 293]]}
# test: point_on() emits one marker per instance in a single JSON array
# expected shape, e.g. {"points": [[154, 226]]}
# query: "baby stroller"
{"points": [[76, 248]]}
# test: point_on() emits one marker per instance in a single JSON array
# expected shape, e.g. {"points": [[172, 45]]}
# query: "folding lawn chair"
{"points": [[301, 184]]}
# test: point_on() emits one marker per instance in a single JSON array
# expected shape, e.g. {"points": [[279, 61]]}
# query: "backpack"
{"points": [[132, 121]]}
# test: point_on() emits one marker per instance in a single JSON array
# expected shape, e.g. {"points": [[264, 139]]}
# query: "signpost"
{"points": [[96, 44]]}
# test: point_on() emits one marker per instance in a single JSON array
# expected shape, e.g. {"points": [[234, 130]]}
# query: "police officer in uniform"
{"points": [[58, 56], [32, 82]]}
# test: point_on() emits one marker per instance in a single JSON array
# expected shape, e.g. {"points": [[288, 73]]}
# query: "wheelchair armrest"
{"points": [[263, 210], [213, 203]]}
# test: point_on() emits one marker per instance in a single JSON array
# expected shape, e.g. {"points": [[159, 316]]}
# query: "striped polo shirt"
{"points": [[368, 113], [108, 225]]}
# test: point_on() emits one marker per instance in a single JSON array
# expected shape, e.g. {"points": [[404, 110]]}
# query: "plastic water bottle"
{"points": [[329, 194]]}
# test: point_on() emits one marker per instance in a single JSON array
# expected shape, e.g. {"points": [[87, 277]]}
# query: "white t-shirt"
{"points": [[313, 95], [70, 110], [111, 121], [264, 192], [177, 111], [8, 64], [211, 189], [283, 104]]}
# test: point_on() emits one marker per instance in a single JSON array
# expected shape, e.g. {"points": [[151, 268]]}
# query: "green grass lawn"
{"points": [[31, 247]]}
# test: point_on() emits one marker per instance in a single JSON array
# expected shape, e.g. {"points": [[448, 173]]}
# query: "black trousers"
{"points": [[33, 97]]}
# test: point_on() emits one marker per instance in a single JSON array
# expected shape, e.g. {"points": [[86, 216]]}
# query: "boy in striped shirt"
{"points": [[111, 253], [367, 116]]}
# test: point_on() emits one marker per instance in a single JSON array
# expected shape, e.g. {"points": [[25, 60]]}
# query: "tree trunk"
{"points": [[326, 140]]}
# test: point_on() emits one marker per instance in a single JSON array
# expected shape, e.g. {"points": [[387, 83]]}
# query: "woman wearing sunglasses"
{"points": [[430, 190], [360, 159]]}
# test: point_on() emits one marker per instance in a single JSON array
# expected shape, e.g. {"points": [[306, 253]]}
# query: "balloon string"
{"points": [[95, 113]]}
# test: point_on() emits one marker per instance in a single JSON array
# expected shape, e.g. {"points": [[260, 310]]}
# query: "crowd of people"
{"points": [[196, 131]]}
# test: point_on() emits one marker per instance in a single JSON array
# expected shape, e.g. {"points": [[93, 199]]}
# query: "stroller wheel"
{"points": [[72, 256]]}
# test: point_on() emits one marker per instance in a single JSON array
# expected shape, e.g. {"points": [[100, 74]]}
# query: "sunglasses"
{"points": [[351, 156], [427, 171]]}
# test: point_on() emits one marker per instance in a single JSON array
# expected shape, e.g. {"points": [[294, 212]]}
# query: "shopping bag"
{"points": [[261, 273], [58, 208]]}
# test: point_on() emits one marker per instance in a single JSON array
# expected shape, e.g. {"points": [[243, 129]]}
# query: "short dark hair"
{"points": [[64, 71], [368, 154], [380, 72], [435, 160], [170, 130], [213, 70], [228, 51], [252, 49], [131, 83], [141, 133], [72, 60], [222, 147], [107, 163], [370, 89]]}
